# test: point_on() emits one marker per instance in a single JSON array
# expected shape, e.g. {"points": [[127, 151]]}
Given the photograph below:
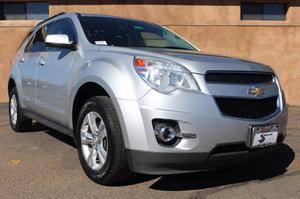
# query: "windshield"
{"points": [[130, 33]]}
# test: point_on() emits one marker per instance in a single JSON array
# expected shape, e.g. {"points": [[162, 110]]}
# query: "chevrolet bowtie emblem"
{"points": [[256, 91]]}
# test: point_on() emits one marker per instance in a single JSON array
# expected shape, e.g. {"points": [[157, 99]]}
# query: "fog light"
{"points": [[166, 133]]}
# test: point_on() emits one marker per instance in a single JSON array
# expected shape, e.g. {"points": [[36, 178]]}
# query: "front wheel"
{"points": [[100, 143]]}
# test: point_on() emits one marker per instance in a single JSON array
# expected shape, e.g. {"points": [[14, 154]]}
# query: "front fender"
{"points": [[15, 75], [119, 84]]}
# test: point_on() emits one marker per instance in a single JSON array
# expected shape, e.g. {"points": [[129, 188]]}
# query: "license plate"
{"points": [[262, 136]]}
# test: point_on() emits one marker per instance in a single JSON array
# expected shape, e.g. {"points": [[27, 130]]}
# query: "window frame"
{"points": [[262, 13]]}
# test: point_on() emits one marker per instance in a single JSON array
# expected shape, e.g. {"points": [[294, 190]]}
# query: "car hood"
{"points": [[199, 63]]}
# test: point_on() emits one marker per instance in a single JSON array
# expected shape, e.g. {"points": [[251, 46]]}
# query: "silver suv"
{"points": [[137, 97]]}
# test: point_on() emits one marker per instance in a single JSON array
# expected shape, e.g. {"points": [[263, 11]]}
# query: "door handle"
{"points": [[22, 60], [42, 62]]}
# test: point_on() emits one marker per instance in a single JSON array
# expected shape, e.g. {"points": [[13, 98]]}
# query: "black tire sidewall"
{"points": [[95, 105]]}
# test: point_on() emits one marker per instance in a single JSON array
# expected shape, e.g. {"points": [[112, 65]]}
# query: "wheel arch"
{"points": [[94, 88], [11, 84], [83, 93]]}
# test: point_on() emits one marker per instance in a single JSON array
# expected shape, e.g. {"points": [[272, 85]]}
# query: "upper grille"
{"points": [[238, 77], [247, 108]]}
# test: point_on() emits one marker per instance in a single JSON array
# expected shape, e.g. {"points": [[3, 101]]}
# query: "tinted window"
{"points": [[66, 27], [37, 44], [274, 11], [37, 10], [1, 12], [24, 10], [14, 11], [252, 11], [263, 11], [130, 33]]}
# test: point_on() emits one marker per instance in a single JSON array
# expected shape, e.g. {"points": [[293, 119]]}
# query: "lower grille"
{"points": [[232, 148], [247, 108]]}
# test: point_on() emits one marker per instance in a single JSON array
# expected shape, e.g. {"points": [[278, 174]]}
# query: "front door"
{"points": [[53, 73]]}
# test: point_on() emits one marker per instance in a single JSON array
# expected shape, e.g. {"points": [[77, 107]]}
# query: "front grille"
{"points": [[247, 108], [238, 77]]}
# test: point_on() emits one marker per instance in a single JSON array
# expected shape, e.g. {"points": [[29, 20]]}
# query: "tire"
{"points": [[18, 122], [113, 167]]}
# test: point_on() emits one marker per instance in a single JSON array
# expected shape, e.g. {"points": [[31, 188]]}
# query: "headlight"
{"points": [[281, 91], [164, 76]]}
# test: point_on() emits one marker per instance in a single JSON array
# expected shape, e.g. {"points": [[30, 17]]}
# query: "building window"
{"points": [[24, 11], [263, 11]]}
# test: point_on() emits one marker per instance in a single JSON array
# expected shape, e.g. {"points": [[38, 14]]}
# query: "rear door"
{"points": [[53, 74], [28, 64]]}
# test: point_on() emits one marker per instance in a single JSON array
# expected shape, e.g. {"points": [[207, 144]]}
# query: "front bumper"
{"points": [[173, 163], [196, 113]]}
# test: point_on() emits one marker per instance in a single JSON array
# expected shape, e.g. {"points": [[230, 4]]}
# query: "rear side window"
{"points": [[37, 43]]}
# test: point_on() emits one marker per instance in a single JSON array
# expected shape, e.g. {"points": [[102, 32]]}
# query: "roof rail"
{"points": [[61, 13]]}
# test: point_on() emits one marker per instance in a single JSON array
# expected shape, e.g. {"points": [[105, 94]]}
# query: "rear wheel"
{"points": [[100, 143], [18, 121]]}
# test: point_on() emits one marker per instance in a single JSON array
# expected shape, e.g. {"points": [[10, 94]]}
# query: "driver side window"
{"points": [[65, 26]]}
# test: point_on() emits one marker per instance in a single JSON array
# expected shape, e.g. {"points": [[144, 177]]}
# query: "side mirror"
{"points": [[60, 41]]}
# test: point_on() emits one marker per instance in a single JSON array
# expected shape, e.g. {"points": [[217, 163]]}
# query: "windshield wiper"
{"points": [[171, 47], [180, 48]]}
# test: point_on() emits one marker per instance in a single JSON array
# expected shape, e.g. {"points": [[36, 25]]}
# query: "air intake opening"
{"points": [[238, 77], [240, 147]]}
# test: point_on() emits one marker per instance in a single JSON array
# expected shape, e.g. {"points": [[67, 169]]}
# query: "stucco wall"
{"points": [[11, 34], [213, 25]]}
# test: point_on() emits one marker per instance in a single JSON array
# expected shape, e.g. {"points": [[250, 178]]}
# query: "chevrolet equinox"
{"points": [[137, 97]]}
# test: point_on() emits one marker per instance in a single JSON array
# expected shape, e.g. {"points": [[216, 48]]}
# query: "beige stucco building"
{"points": [[215, 26]]}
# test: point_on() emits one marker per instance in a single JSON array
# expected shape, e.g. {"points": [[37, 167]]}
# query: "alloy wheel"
{"points": [[94, 142], [13, 110]]}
